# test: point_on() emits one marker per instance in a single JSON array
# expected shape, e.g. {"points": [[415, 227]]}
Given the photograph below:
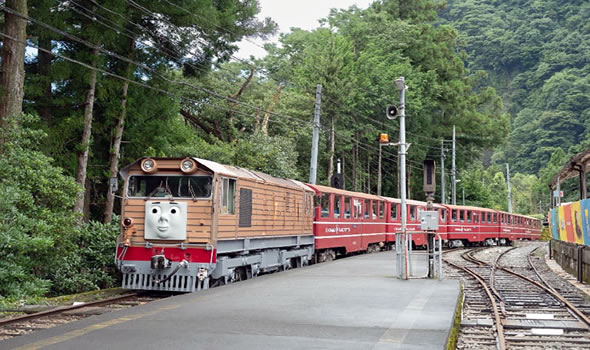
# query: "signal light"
{"points": [[383, 138]]}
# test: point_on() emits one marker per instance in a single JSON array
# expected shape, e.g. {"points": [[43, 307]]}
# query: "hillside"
{"points": [[536, 54]]}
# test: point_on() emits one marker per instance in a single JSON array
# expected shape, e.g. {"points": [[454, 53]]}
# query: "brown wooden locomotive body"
{"points": [[191, 222]]}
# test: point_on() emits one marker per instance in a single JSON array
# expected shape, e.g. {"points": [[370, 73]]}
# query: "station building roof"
{"points": [[577, 163]]}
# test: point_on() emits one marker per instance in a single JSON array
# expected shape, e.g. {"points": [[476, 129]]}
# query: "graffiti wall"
{"points": [[570, 222]]}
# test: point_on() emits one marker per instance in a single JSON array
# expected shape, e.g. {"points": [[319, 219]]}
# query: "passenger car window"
{"points": [[325, 205], [393, 211], [454, 215], [347, 207], [337, 203]]}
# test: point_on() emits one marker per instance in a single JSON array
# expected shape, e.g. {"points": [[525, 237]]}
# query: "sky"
{"points": [[302, 14]]}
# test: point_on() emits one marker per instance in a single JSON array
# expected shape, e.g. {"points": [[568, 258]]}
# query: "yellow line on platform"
{"points": [[79, 332]]}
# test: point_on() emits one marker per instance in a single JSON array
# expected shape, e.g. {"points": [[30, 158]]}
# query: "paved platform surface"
{"points": [[352, 303]]}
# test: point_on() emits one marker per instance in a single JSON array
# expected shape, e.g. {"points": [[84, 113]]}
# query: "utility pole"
{"points": [[509, 192], [401, 86], [454, 173], [313, 167], [442, 172], [379, 175]]}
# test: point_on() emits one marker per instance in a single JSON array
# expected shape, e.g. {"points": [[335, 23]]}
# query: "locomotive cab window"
{"points": [[228, 196], [169, 186]]}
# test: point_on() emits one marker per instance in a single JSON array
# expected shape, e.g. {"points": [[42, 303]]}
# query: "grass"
{"points": [[456, 327]]}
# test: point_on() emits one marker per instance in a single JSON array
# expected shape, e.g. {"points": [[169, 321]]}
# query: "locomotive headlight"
{"points": [[127, 222], [149, 165], [188, 165]]}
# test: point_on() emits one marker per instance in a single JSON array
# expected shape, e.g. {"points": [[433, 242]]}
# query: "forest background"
{"points": [[105, 83]]}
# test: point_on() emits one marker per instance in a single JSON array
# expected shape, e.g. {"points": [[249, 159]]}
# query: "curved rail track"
{"points": [[517, 307], [16, 326]]}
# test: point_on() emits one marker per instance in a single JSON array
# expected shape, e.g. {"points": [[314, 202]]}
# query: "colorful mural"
{"points": [[570, 222]]}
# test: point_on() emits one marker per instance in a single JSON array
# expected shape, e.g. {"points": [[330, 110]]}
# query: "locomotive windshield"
{"points": [[170, 186]]}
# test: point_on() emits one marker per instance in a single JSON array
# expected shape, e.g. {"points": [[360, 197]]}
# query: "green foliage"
{"points": [[42, 248], [36, 217], [536, 55]]}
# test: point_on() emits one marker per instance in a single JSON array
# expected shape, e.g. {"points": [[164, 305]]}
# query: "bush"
{"points": [[43, 249]]}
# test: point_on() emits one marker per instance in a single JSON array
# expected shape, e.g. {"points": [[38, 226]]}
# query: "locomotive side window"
{"points": [[325, 205], [443, 214], [367, 208], [462, 215], [337, 202], [170, 186], [381, 209], [412, 212], [228, 195], [454, 215], [495, 218], [469, 214]]}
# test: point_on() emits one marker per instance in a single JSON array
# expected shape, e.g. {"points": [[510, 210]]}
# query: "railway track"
{"points": [[24, 324], [513, 301]]}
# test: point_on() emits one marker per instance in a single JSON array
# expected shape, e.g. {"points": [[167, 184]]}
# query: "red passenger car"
{"points": [[468, 225], [414, 208], [346, 222], [516, 226]]}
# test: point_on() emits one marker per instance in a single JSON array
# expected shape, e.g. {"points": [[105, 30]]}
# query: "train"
{"points": [[189, 224]]}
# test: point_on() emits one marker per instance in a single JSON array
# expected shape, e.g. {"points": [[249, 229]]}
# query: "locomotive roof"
{"points": [[231, 171]]}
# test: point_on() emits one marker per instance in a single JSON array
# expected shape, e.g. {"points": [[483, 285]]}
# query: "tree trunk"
{"points": [[116, 146], [44, 64], [236, 96], [271, 106], [12, 70], [332, 143], [86, 135]]}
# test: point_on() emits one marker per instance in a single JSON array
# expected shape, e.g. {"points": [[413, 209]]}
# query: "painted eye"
{"points": [[174, 210], [155, 210]]}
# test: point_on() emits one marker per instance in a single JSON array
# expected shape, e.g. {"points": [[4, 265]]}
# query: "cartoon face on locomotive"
{"points": [[187, 222]]}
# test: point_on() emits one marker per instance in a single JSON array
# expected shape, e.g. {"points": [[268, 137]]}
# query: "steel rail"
{"points": [[61, 309], [551, 291], [501, 342]]}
